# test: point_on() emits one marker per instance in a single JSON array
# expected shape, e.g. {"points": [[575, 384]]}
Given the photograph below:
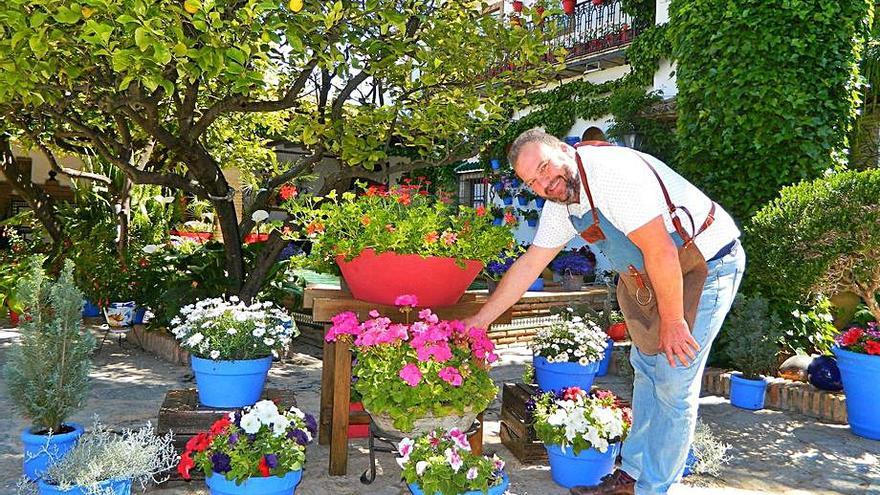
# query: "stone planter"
{"points": [[425, 424]]}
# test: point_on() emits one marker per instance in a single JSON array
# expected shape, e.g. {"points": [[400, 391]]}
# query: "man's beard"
{"points": [[572, 188]]}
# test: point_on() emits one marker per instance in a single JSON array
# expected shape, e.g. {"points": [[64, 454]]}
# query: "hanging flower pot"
{"points": [[120, 314], [517, 6], [568, 6], [598, 2]]}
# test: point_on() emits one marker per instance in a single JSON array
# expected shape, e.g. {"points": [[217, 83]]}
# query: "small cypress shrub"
{"points": [[47, 373]]}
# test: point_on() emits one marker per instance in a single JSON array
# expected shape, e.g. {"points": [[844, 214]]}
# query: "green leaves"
{"points": [[70, 14]]}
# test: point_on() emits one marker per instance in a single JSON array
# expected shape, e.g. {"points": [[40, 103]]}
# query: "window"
{"points": [[472, 189]]}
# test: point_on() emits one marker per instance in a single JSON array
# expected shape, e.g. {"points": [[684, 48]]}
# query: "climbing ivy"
{"points": [[767, 92], [646, 51]]}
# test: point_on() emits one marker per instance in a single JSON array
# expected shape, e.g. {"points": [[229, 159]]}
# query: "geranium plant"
{"points": [[573, 418], [444, 464], [863, 340], [228, 329], [571, 339], [409, 370], [257, 441], [404, 219]]}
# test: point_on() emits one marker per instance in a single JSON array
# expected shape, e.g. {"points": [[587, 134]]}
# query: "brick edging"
{"points": [[786, 395], [158, 343]]}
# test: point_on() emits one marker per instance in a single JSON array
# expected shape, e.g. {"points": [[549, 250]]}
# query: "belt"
{"points": [[724, 251]]}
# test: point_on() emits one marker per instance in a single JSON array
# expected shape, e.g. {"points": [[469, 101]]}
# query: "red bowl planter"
{"points": [[381, 278], [617, 331], [252, 238], [199, 236]]}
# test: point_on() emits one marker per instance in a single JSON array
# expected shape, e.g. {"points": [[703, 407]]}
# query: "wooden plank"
{"points": [[476, 440], [322, 290], [181, 412], [341, 397], [325, 308], [328, 368]]}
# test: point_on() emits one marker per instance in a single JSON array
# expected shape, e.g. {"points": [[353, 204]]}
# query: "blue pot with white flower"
{"points": [[605, 363], [556, 376], [499, 489], [586, 468], [270, 485], [230, 384], [119, 486]]}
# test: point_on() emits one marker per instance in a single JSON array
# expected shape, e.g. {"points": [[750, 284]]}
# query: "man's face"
{"points": [[550, 171]]}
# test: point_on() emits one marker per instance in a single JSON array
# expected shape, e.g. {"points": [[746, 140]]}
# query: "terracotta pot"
{"points": [[617, 331], [434, 280]]}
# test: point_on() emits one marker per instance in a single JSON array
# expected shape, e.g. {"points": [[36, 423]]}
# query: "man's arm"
{"points": [[664, 271], [514, 284]]}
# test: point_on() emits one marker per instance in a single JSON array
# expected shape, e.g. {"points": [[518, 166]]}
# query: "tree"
{"points": [[144, 85]]}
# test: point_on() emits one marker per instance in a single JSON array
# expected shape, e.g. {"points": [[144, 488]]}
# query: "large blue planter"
{"points": [[272, 485], [37, 454], [861, 384], [537, 285], [586, 468], [556, 376], [498, 489], [230, 383], [605, 363], [117, 487], [90, 310], [747, 394], [689, 463]]}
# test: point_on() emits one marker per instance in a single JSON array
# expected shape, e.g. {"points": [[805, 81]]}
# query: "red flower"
{"points": [[509, 219], [264, 467], [220, 425], [365, 220], [199, 442], [431, 237], [315, 228], [572, 393], [186, 463], [481, 211], [287, 191], [404, 198], [873, 347], [851, 336]]}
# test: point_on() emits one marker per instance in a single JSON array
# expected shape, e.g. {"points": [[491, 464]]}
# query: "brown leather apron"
{"points": [[635, 293]]}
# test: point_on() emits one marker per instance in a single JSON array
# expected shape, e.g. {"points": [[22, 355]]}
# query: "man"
{"points": [[631, 221]]}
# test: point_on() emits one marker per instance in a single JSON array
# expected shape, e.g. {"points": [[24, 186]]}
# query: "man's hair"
{"points": [[533, 135]]}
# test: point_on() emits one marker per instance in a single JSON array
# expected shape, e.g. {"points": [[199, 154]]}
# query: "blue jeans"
{"points": [[665, 399]]}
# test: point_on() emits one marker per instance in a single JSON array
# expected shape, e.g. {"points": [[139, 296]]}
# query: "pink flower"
{"points": [[373, 313], [451, 376], [343, 324], [454, 459], [440, 351], [472, 473], [481, 346], [411, 375], [405, 447], [407, 300], [459, 439], [449, 237], [428, 316]]}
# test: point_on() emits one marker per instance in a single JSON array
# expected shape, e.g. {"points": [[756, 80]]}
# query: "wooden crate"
{"points": [[182, 414], [516, 432]]}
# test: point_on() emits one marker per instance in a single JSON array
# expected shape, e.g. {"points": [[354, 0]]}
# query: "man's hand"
{"points": [[476, 321], [677, 342]]}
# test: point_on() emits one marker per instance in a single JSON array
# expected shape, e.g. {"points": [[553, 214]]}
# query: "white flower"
{"points": [[150, 248], [269, 341], [260, 215], [279, 425], [421, 466], [405, 447], [232, 331], [195, 339], [165, 200], [258, 332], [250, 423], [234, 299], [472, 473], [454, 460], [215, 354]]}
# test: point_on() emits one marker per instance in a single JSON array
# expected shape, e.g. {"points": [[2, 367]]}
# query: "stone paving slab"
{"points": [[773, 452]]}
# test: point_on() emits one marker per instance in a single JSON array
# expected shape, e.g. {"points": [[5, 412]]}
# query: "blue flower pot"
{"points": [[522, 201], [556, 376], [38, 455], [584, 469], [138, 316], [498, 186], [689, 463], [572, 140], [605, 363], [514, 182], [861, 384], [507, 201], [532, 222], [120, 314], [90, 310], [747, 394], [824, 374], [230, 384], [498, 489], [539, 202], [498, 221], [272, 485], [495, 163], [117, 487], [537, 285]]}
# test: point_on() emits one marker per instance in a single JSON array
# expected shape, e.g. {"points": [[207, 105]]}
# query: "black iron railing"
{"points": [[593, 28]]}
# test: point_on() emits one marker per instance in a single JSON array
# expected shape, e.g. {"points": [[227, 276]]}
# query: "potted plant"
{"points": [[416, 377], [506, 196], [568, 6], [571, 267], [381, 238], [104, 462], [47, 371], [518, 6], [617, 326], [259, 450], [753, 334], [444, 465], [582, 433], [524, 197], [707, 453], [231, 345], [858, 357], [531, 217], [495, 163], [496, 269], [568, 352], [497, 215]]}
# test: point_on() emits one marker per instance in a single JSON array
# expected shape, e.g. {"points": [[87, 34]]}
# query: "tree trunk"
{"points": [[261, 267], [40, 202], [123, 219], [228, 221]]}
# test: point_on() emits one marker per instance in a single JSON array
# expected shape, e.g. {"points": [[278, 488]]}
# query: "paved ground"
{"points": [[773, 452]]}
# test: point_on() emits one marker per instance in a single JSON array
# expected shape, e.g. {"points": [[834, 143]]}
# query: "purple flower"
{"points": [[220, 462], [311, 424], [271, 460], [233, 439], [300, 436]]}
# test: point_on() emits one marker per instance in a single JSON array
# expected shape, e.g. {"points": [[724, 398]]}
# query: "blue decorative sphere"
{"points": [[824, 374]]}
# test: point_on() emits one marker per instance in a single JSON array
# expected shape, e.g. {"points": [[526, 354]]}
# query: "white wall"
{"points": [[40, 165]]}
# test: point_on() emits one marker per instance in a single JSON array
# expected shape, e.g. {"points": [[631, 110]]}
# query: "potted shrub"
{"points": [[47, 371], [259, 450], [617, 326], [858, 357], [104, 462], [707, 453], [444, 465], [571, 267], [531, 217], [582, 433], [417, 377], [524, 196], [381, 238], [752, 347], [568, 352], [506, 196], [231, 346]]}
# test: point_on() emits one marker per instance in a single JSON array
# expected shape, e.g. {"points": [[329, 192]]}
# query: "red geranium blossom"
{"points": [[872, 347], [851, 336], [481, 211], [287, 191], [186, 463], [264, 467], [199, 442], [220, 425]]}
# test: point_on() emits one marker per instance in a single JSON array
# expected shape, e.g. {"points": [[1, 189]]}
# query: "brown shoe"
{"points": [[616, 483]]}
